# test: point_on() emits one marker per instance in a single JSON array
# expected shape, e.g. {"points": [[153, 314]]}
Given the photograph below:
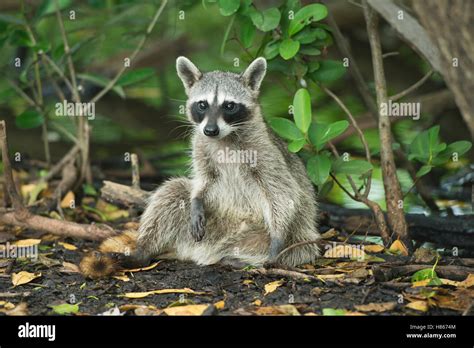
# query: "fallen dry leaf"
{"points": [[330, 234], [162, 291], [26, 242], [20, 309], [69, 267], [376, 307], [121, 277], [219, 305], [398, 247], [68, 200], [131, 307], [421, 306], [197, 309], [468, 282], [276, 310], [67, 246], [147, 310], [271, 287], [257, 302], [374, 248], [24, 277], [7, 305], [248, 282], [457, 300], [147, 268]]}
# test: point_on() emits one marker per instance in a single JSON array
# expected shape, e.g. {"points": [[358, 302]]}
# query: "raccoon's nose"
{"points": [[211, 130]]}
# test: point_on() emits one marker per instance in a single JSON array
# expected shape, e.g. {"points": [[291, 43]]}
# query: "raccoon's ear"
{"points": [[254, 74], [187, 72]]}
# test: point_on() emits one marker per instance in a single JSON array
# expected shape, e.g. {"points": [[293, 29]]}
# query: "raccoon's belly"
{"points": [[233, 197]]}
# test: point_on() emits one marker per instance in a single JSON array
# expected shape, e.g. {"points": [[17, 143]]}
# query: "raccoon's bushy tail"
{"points": [[114, 253]]}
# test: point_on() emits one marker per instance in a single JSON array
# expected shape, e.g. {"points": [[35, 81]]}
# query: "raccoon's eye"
{"points": [[202, 106], [230, 107]]}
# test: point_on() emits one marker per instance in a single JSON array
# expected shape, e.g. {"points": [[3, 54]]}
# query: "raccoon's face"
{"points": [[220, 102]]}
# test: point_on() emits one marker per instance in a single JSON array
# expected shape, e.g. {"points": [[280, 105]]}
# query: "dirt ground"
{"points": [[341, 287]]}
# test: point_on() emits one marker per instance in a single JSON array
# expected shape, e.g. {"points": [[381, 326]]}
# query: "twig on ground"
{"points": [[282, 273]]}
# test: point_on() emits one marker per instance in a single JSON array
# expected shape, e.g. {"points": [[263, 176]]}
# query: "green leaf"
{"points": [[245, 6], [65, 308], [296, 145], [285, 128], [89, 190], [289, 48], [302, 109], [271, 19], [318, 168], [305, 16], [228, 7], [247, 33], [256, 17], [33, 196], [353, 167], [319, 133], [423, 170], [102, 81], [135, 76], [272, 49], [49, 6], [325, 189], [266, 20], [20, 37], [423, 274], [329, 70], [458, 147], [306, 36], [426, 146], [312, 66], [332, 311], [29, 119]]}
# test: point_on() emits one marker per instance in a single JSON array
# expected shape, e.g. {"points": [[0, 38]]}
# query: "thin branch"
{"points": [[22, 94], [361, 85], [60, 165], [359, 132], [343, 188], [412, 87], [67, 50], [59, 72], [112, 82]]}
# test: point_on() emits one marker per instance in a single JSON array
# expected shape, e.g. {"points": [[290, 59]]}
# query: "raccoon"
{"points": [[247, 198]]}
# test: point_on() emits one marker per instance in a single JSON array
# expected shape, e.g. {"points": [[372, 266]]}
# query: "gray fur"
{"points": [[251, 212]]}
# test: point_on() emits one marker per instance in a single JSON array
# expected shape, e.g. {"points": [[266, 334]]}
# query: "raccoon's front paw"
{"points": [[197, 226], [197, 220]]}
